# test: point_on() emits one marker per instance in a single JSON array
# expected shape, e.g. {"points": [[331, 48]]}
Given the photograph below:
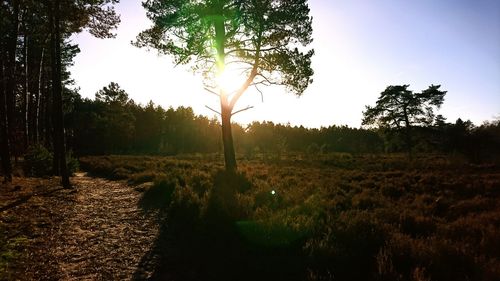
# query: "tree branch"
{"points": [[210, 91], [250, 78], [261, 93], [255, 50], [213, 110], [241, 110]]}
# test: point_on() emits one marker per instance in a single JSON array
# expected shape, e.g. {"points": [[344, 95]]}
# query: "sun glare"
{"points": [[230, 80]]}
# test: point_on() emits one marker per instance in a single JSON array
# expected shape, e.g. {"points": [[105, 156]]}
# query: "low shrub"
{"points": [[347, 218], [9, 252], [159, 194], [38, 161], [72, 163]]}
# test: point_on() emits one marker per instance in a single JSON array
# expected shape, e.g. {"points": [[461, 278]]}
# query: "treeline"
{"points": [[113, 124]]}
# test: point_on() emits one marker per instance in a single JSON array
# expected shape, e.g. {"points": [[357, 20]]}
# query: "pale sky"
{"points": [[361, 46]]}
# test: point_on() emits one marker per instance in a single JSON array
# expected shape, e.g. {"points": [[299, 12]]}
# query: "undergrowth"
{"points": [[9, 252]]}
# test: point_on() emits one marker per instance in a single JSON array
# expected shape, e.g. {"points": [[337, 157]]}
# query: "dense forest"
{"points": [[35, 53], [114, 124]]}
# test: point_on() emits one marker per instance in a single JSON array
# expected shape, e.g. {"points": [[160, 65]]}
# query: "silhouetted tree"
{"points": [[399, 108], [9, 34], [66, 17], [112, 94], [259, 37], [115, 121]]}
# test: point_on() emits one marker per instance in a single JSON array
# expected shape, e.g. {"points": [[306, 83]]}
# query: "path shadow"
{"points": [[23, 199]]}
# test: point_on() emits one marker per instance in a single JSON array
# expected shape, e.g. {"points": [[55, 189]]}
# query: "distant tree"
{"points": [[401, 109], [148, 127], [260, 38], [112, 94], [114, 120]]}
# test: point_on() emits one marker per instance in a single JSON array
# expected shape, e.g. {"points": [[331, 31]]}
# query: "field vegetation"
{"points": [[321, 217]]}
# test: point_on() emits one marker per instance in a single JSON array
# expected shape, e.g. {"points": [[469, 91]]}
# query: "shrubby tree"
{"points": [[401, 109], [260, 38]]}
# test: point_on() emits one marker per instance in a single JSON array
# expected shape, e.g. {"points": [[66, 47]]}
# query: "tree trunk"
{"points": [[59, 144], [227, 140], [407, 134], [26, 99], [4, 136], [227, 136], [38, 97], [7, 103]]}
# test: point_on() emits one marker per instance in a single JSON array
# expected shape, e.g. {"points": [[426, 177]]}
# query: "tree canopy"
{"points": [[398, 107], [260, 39]]}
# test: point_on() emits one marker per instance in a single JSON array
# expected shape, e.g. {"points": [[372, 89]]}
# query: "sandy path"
{"points": [[97, 232]]}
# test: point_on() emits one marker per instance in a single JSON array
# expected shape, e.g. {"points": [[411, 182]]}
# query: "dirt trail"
{"points": [[97, 232]]}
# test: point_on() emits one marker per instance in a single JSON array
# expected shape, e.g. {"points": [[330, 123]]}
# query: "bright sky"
{"points": [[361, 46]]}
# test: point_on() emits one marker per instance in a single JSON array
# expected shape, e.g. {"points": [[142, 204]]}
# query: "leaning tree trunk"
{"points": [[59, 144]]}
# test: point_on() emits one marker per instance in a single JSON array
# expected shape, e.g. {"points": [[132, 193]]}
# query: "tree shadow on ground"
{"points": [[207, 238], [23, 199]]}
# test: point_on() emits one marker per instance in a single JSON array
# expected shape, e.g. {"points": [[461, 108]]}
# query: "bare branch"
{"points": [[212, 92], [213, 110], [239, 61], [267, 79], [256, 50], [263, 82], [241, 110], [261, 93]]}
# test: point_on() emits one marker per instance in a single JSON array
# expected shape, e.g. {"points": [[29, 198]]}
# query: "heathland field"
{"points": [[321, 217]]}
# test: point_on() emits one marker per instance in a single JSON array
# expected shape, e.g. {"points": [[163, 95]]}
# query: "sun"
{"points": [[230, 80]]}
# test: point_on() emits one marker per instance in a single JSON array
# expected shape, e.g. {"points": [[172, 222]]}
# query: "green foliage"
{"points": [[72, 162], [130, 128], [159, 194], [261, 36], [9, 252], [38, 161], [398, 107], [112, 94]]}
